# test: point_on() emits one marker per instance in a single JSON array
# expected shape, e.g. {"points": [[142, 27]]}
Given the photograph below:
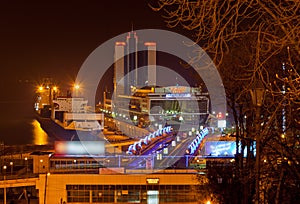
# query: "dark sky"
{"points": [[53, 38]]}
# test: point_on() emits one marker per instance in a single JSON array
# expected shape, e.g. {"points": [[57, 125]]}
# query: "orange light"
{"points": [[150, 44], [120, 43], [219, 115]]}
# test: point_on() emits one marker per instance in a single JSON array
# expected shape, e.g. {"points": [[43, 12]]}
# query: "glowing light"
{"points": [[150, 44], [152, 180], [197, 141], [219, 115], [148, 138], [76, 86], [178, 95], [120, 43], [41, 88]]}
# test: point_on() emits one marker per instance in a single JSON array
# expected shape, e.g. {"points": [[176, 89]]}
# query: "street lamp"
{"points": [[4, 168], [257, 92], [76, 89], [26, 161], [11, 168]]}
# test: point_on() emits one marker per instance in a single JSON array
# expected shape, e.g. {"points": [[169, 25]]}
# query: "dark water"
{"points": [[17, 121], [18, 127]]}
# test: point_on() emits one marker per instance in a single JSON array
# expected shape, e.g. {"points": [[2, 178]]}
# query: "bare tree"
{"points": [[250, 39], [216, 23]]}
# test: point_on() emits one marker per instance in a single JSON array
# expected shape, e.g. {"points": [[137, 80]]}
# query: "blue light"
{"points": [[197, 141]]}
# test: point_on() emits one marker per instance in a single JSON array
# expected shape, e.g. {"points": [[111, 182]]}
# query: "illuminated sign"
{"points": [[79, 147], [178, 95], [178, 89], [152, 180], [224, 148], [220, 148], [173, 89]]}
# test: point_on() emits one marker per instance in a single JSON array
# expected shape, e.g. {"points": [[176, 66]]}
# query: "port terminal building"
{"points": [[93, 176], [73, 174], [84, 178]]}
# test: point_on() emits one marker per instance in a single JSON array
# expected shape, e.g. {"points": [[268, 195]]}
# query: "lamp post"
{"points": [[11, 168], [4, 168], [257, 92], [26, 161], [76, 90]]}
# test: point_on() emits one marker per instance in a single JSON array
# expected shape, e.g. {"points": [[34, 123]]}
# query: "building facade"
{"points": [[117, 188]]}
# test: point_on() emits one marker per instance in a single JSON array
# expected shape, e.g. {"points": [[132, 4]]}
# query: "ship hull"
{"points": [[57, 132]]}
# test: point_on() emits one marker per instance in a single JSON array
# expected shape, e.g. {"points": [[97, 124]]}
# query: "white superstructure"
{"points": [[75, 114]]}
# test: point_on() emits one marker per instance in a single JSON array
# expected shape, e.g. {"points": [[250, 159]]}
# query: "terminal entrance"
{"points": [[152, 197]]}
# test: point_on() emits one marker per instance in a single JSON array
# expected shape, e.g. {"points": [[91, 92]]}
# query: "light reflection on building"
{"points": [[40, 137]]}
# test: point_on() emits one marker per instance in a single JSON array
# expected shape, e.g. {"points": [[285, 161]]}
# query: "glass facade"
{"points": [[178, 106], [130, 193]]}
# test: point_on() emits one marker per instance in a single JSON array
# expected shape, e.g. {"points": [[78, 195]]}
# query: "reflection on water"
{"points": [[40, 137]]}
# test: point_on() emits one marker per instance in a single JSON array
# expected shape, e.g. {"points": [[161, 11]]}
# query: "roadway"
{"points": [[174, 155], [139, 161]]}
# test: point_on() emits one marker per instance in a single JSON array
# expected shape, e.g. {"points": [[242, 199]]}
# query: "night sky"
{"points": [[53, 38]]}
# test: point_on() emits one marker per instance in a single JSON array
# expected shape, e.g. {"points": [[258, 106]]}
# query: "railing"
{"points": [[142, 163]]}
